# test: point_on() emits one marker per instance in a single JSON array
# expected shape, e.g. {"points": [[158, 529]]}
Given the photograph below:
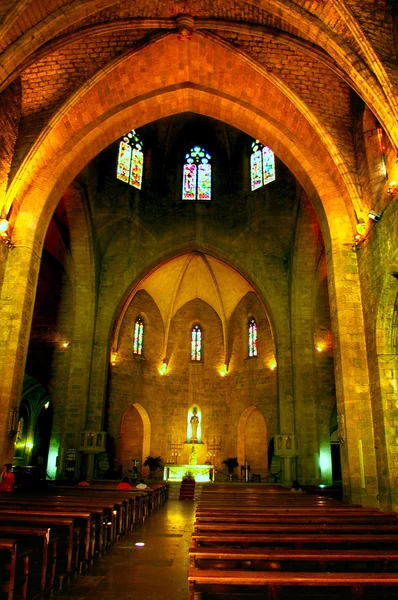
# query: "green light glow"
{"points": [[52, 462]]}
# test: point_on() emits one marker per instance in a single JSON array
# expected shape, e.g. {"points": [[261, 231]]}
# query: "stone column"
{"points": [[352, 378], [16, 309]]}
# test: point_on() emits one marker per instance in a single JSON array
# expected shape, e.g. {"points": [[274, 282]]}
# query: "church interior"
{"points": [[199, 229]]}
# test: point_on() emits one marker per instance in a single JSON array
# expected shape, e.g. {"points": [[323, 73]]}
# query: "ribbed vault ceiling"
{"points": [[193, 276]]}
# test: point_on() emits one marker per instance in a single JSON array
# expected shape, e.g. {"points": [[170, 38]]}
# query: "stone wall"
{"points": [[10, 114], [166, 399]]}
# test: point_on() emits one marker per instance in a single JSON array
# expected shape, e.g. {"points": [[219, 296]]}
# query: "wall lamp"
{"points": [[4, 230], [392, 188], [374, 215], [223, 370], [163, 367]]}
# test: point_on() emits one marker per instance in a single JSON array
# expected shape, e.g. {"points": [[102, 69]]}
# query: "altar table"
{"points": [[201, 473]]}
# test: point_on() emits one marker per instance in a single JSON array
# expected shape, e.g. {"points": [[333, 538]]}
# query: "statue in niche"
{"points": [[192, 456], [194, 421]]}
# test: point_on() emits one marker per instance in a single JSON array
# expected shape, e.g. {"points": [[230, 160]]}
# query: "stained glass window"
{"points": [[196, 176], [252, 337], [138, 336], [262, 165], [130, 162], [196, 343]]}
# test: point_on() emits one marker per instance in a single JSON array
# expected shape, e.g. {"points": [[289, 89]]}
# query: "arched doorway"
{"points": [[135, 436], [34, 429], [253, 440], [335, 448]]}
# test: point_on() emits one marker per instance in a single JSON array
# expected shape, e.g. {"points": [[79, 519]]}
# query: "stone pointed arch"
{"points": [[361, 73], [135, 420], [252, 440], [92, 118], [75, 134]]}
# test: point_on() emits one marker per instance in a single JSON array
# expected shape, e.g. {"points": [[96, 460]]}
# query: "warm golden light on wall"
{"points": [[113, 358], [65, 344], [320, 348], [163, 368], [272, 365], [223, 370]]}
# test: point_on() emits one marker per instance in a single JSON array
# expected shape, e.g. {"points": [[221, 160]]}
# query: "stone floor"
{"points": [[157, 571]]}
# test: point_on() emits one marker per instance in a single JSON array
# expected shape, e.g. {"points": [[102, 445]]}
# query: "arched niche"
{"points": [[253, 440], [135, 437], [190, 424]]}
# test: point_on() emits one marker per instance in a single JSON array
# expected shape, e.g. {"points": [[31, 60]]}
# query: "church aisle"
{"points": [[156, 571]]}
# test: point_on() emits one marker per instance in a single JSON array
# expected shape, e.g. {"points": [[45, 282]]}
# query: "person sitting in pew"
{"points": [[83, 483], [124, 484], [142, 485], [8, 479], [296, 487]]}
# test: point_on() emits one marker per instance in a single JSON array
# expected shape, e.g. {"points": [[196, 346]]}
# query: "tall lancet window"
{"points": [[130, 162], [252, 327], [196, 343], [196, 175], [262, 165], [138, 336]]}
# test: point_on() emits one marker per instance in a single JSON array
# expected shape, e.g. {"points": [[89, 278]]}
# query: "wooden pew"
{"points": [[278, 534], [292, 518], [109, 500], [282, 559], [286, 510], [81, 518], [273, 501], [14, 571], [37, 540], [282, 529], [295, 540], [101, 508], [125, 503], [67, 533], [101, 511], [200, 581]]}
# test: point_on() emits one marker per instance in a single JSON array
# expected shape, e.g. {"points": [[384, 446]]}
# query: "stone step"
{"points": [[174, 490]]}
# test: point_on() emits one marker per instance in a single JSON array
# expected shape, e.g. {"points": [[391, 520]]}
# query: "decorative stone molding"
{"points": [[185, 27]]}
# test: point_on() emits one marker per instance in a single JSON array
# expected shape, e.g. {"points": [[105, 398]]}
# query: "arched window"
{"points": [[131, 160], [196, 175], [262, 165], [138, 336], [196, 343], [252, 330]]}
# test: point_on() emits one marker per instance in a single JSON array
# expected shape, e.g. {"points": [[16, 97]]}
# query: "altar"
{"points": [[201, 473]]}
